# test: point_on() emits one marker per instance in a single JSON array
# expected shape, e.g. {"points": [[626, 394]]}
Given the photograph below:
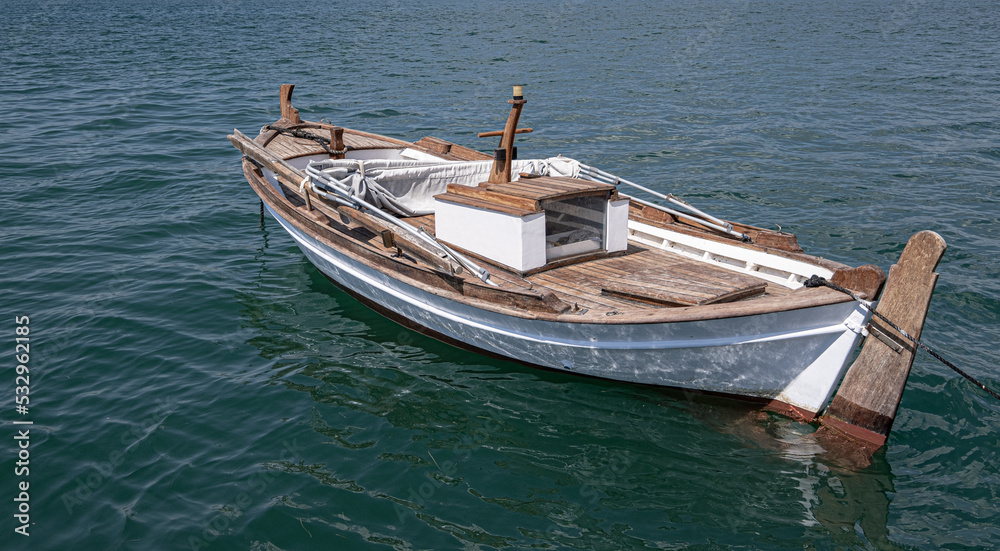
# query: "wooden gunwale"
{"points": [[455, 152], [510, 301]]}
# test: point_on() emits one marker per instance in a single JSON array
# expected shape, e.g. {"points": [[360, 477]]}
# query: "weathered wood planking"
{"points": [[672, 296], [551, 187], [865, 405], [503, 199], [288, 147], [582, 292], [448, 150], [493, 206], [662, 277]]}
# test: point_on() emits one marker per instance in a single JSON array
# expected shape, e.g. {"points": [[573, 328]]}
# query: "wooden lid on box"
{"points": [[524, 196]]}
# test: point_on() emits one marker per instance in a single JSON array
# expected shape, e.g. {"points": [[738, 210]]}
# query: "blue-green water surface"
{"points": [[196, 384]]}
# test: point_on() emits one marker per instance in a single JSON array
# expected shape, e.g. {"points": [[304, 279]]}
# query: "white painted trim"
{"points": [[415, 155], [776, 269]]}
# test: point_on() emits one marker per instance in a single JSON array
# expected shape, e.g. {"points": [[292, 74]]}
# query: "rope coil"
{"points": [[817, 281]]}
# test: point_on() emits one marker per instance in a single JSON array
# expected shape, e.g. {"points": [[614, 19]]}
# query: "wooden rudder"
{"points": [[866, 402]]}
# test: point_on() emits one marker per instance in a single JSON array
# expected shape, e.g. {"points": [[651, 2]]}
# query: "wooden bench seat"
{"points": [[662, 279]]}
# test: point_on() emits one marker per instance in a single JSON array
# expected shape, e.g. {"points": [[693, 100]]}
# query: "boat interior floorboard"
{"points": [[640, 279]]}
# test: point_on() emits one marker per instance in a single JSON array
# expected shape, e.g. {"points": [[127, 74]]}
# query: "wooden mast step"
{"points": [[866, 403]]}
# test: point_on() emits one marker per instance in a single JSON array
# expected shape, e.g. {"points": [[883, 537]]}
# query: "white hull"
{"points": [[796, 357]]}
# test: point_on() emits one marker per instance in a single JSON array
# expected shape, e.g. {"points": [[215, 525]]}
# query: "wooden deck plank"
{"points": [[668, 265], [289, 147], [683, 291], [661, 277], [674, 278], [713, 274], [503, 199], [638, 286], [582, 291], [585, 298], [286, 146]]}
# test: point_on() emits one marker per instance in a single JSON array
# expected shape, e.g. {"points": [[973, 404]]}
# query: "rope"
{"points": [[294, 132], [817, 281]]}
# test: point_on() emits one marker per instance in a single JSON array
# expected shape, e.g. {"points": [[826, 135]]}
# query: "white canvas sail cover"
{"points": [[408, 187]]}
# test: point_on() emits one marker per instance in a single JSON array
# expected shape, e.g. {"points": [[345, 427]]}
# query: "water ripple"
{"points": [[199, 385]]}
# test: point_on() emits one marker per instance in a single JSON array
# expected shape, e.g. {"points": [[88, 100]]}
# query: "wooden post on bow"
{"points": [[503, 155]]}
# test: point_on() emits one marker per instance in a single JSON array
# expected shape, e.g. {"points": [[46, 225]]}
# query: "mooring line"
{"points": [[817, 281]]}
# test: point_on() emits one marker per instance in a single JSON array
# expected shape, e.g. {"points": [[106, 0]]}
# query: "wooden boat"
{"points": [[548, 263]]}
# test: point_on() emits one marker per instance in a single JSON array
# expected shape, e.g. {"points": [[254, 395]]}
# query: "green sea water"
{"points": [[196, 384]]}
